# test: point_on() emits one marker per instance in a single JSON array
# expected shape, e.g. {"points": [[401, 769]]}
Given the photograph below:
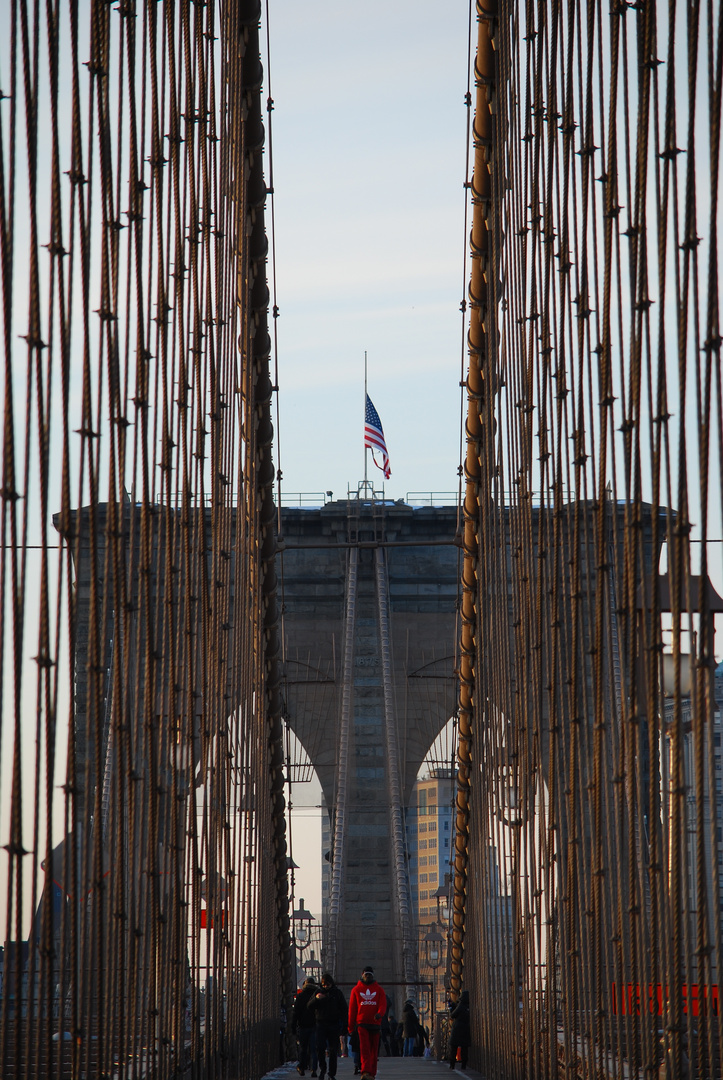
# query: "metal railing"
{"points": [[431, 498], [306, 499]]}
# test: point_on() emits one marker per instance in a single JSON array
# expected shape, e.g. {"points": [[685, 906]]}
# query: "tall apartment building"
{"points": [[429, 836], [430, 831]]}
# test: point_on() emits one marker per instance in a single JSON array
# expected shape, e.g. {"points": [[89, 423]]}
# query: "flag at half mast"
{"points": [[374, 438]]}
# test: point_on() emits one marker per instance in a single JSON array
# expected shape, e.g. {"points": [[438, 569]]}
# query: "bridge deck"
{"points": [[390, 1068]]}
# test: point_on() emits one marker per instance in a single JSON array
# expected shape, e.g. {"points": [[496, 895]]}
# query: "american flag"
{"points": [[374, 438]]}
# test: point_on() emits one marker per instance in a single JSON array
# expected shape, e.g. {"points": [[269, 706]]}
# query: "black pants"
{"points": [[327, 1039], [307, 1048]]}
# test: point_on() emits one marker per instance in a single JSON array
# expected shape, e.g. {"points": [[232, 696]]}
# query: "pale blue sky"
{"points": [[368, 138], [369, 162]]}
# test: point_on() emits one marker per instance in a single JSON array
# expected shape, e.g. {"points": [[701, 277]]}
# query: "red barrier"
{"points": [[629, 1000], [207, 924]]}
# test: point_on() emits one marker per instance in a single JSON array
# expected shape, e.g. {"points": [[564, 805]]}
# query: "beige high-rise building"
{"points": [[430, 830]]}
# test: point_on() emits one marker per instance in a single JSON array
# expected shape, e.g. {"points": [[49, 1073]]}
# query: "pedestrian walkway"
{"points": [[390, 1068]]}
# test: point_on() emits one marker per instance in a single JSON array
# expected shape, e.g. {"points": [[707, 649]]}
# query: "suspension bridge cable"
{"points": [[145, 856], [594, 849]]}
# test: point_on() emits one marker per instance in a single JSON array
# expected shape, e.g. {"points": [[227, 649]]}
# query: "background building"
{"points": [[430, 828], [429, 832]]}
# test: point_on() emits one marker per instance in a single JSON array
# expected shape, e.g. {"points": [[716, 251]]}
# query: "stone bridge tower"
{"points": [[369, 595], [368, 683]]}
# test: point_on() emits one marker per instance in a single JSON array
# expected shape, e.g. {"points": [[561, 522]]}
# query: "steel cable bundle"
{"points": [[141, 766], [587, 918]]}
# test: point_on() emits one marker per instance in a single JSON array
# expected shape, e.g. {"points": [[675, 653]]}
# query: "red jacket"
{"points": [[367, 1005]]}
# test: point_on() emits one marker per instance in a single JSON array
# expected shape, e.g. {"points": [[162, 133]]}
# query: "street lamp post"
{"points": [[433, 942], [422, 1004], [442, 898], [444, 910], [312, 967], [302, 920]]}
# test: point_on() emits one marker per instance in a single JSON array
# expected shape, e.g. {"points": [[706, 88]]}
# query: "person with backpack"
{"points": [[410, 1027], [302, 1025], [328, 1007]]}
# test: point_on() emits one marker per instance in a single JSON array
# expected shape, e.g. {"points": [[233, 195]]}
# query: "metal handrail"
{"points": [[310, 499], [431, 498]]}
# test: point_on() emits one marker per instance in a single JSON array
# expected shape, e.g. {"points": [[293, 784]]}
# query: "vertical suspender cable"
{"points": [[254, 227], [108, 742], [394, 774], [479, 442], [343, 766]]}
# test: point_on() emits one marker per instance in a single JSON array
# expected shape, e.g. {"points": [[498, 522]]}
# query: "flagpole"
{"points": [[366, 451]]}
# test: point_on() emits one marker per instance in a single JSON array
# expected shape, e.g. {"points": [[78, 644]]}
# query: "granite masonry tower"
{"points": [[369, 601]]}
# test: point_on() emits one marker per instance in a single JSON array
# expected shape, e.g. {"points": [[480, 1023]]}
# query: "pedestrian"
{"points": [[410, 1026], [461, 1035], [302, 1025], [328, 1006], [394, 1041], [399, 1038], [354, 1047], [367, 1006], [421, 1041], [386, 1032]]}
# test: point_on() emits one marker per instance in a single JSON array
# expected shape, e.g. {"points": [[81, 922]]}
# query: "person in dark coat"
{"points": [[410, 1025], [393, 1035], [386, 1034], [460, 1036], [303, 1024], [328, 1007]]}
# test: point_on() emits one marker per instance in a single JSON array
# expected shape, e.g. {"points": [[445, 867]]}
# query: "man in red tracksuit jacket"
{"points": [[367, 1006]]}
